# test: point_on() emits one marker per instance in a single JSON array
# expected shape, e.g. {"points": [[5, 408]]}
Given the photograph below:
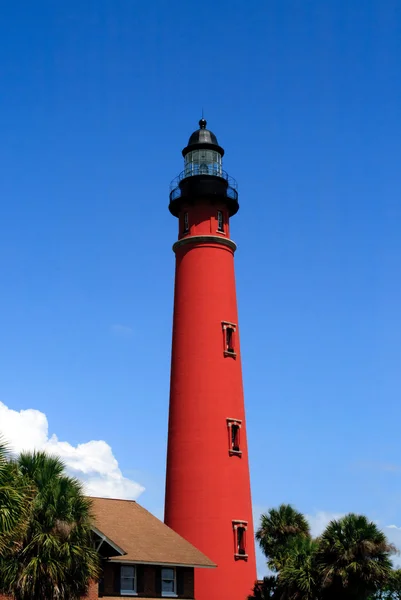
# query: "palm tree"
{"points": [[278, 530], [353, 558], [265, 590], [56, 559], [14, 501], [395, 584], [299, 579]]}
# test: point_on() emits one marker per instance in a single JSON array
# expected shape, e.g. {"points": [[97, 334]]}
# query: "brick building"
{"points": [[140, 556]]}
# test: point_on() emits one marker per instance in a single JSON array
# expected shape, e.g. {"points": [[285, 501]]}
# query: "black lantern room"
{"points": [[203, 176]]}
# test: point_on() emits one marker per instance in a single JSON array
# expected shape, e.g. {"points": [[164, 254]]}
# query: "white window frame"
{"points": [[169, 594], [227, 325], [128, 592], [230, 424], [238, 524]]}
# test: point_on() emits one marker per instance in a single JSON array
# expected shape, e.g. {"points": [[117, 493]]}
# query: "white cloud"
{"points": [[92, 462], [393, 534], [122, 330], [319, 521]]}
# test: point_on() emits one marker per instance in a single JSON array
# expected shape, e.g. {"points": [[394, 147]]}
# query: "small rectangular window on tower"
{"points": [[240, 528], [234, 437], [185, 228], [229, 330], [220, 221]]}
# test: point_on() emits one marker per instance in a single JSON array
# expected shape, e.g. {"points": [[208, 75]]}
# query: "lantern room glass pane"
{"points": [[207, 162]]}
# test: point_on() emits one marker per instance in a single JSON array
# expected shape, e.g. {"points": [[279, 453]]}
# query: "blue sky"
{"points": [[97, 100]]}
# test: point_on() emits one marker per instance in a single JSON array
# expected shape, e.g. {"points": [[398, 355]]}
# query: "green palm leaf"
{"points": [[353, 558], [15, 496], [56, 559], [277, 531]]}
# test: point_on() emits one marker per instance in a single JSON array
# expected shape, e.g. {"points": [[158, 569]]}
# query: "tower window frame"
{"points": [[185, 224], [240, 528], [234, 436], [229, 338], [220, 222]]}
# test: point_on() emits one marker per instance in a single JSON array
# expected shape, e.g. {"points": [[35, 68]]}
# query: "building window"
{"points": [[128, 580], [240, 528], [234, 436], [229, 330], [185, 228], [169, 582], [220, 221]]}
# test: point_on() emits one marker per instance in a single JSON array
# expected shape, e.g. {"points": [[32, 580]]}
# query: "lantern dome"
{"points": [[203, 138], [202, 135]]}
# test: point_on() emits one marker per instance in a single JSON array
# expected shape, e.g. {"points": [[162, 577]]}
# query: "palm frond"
{"points": [[56, 560]]}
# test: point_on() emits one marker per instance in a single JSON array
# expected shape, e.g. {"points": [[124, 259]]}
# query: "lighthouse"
{"points": [[208, 496]]}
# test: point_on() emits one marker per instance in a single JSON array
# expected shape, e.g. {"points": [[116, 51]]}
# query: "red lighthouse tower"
{"points": [[208, 497]]}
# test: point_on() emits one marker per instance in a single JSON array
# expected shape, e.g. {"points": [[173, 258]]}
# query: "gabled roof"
{"points": [[143, 537]]}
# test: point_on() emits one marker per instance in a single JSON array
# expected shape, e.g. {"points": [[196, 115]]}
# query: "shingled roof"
{"points": [[142, 537]]}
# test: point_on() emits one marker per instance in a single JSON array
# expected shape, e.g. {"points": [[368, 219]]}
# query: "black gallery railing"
{"points": [[216, 171]]}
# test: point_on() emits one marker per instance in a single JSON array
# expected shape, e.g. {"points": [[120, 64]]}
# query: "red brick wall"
{"points": [[188, 577], [111, 581], [92, 591], [149, 579]]}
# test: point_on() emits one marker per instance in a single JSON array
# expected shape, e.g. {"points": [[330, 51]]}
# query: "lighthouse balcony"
{"points": [[210, 182]]}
